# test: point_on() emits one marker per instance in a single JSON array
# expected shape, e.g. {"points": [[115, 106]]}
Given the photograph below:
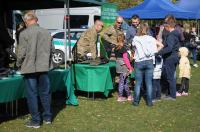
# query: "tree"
{"points": [[123, 4]]}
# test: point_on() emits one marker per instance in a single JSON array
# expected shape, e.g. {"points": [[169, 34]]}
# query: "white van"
{"points": [[80, 18], [53, 20]]}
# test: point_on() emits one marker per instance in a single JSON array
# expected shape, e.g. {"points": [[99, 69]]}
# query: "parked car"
{"points": [[58, 42]]}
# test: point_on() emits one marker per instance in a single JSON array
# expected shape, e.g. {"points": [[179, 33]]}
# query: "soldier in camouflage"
{"points": [[109, 35], [86, 45]]}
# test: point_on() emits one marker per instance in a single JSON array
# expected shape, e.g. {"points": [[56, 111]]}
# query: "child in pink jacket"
{"points": [[124, 68]]}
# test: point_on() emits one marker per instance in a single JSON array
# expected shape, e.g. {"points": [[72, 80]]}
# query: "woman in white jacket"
{"points": [[145, 49]]}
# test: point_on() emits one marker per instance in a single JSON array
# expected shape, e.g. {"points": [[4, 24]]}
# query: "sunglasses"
{"points": [[119, 22]]}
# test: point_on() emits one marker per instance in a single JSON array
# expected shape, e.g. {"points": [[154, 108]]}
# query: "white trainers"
{"points": [[195, 65], [184, 94], [130, 98], [178, 94], [121, 99]]}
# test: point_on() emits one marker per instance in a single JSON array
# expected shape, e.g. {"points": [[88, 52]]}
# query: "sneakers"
{"points": [[195, 65], [31, 124], [169, 98], [155, 100], [181, 94], [47, 122], [121, 99], [178, 94], [130, 98], [184, 94], [135, 103], [149, 104]]}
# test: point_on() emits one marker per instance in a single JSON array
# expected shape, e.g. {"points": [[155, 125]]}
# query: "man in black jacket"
{"points": [[170, 55]]}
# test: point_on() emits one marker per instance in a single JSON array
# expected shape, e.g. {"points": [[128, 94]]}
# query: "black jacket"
{"points": [[171, 44]]}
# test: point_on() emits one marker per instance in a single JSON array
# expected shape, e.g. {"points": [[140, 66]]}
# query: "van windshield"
{"points": [[97, 18], [79, 21]]}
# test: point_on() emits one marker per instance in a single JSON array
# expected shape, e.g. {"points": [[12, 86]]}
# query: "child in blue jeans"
{"points": [[156, 78], [123, 67]]}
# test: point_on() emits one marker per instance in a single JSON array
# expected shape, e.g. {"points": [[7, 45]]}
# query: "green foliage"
{"points": [[123, 4], [174, 1]]}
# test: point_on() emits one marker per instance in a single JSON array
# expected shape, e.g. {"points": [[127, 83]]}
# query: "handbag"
{"points": [[193, 43]]}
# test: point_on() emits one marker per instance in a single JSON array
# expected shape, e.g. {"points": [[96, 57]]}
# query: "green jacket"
{"points": [[110, 34], [35, 50], [88, 40]]}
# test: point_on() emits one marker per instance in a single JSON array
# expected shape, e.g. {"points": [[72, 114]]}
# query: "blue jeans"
{"points": [[38, 83], [143, 69], [194, 54], [169, 69], [156, 89]]}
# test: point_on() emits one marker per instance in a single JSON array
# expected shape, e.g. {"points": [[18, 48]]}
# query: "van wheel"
{"points": [[58, 57]]}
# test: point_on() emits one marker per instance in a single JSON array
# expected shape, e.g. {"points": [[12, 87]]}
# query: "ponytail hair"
{"points": [[120, 41], [142, 29]]}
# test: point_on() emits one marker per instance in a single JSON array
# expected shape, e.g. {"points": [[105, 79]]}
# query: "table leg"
{"points": [[6, 108], [12, 108], [16, 108], [93, 95], [88, 94]]}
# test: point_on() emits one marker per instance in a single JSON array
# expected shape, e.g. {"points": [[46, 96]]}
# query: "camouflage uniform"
{"points": [[109, 38], [110, 34], [87, 43]]}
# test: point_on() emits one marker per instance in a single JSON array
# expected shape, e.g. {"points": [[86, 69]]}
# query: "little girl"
{"points": [[123, 67], [184, 72]]}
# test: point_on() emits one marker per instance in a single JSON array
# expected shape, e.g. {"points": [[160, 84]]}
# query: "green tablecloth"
{"points": [[13, 87], [61, 80], [93, 78]]}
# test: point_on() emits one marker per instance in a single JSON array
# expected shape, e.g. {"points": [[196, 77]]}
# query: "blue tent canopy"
{"points": [[156, 9], [188, 5]]}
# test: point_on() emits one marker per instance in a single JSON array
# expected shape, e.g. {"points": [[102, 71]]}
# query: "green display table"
{"points": [[93, 78], [13, 87]]}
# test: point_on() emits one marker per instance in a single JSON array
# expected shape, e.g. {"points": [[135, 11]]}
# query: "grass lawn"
{"points": [[108, 115]]}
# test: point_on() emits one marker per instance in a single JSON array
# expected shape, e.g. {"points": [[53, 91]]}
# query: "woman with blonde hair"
{"points": [[145, 49]]}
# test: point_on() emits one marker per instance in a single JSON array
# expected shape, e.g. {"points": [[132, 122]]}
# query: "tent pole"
{"points": [[198, 26], [69, 36], [65, 30]]}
